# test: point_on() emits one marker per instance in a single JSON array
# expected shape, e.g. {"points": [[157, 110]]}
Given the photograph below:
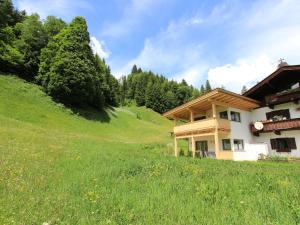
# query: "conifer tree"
{"points": [[202, 90], [244, 90], [70, 75], [9, 16], [207, 86], [134, 69], [154, 98]]}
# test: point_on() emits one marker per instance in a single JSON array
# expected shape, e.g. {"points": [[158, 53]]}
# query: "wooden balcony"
{"points": [[288, 96], [277, 126], [202, 128]]}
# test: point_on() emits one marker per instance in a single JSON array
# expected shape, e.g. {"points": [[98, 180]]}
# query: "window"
{"points": [[201, 145], [235, 116], [283, 144], [278, 115], [226, 144], [224, 115], [238, 144]]}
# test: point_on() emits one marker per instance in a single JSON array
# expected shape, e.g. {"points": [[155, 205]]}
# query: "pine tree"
{"points": [[207, 86], [184, 83], [196, 93], [123, 90], [134, 69], [155, 98], [9, 16], [140, 90], [244, 90], [70, 76], [202, 90]]}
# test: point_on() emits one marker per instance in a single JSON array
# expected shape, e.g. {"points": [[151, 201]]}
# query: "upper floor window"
{"points": [[238, 144], [224, 115], [235, 116], [278, 115]]}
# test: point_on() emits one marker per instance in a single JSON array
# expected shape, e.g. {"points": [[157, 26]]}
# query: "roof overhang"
{"points": [[203, 103], [279, 80]]}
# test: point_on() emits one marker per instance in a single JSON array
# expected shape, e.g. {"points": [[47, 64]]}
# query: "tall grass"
{"points": [[61, 168]]}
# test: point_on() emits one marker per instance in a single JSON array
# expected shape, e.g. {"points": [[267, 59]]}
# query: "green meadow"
{"points": [[59, 166]]}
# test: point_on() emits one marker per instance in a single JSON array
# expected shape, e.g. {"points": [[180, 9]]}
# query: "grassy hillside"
{"points": [[113, 167]]}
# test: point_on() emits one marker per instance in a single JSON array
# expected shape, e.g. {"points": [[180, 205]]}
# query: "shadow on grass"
{"points": [[91, 113]]}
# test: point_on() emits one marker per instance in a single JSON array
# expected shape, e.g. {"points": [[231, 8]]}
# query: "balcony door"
{"points": [[202, 148]]}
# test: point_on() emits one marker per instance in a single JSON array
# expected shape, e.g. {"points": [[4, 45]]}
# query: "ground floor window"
{"points": [[226, 144], [238, 144], [283, 144], [201, 145]]}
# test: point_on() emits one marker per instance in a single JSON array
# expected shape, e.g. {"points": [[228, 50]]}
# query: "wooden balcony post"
{"points": [[217, 144], [214, 110], [174, 121], [191, 115], [216, 135], [193, 146], [175, 146]]}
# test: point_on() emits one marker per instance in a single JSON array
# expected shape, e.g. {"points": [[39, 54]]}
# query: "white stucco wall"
{"points": [[260, 114], [241, 130], [265, 138], [251, 153]]}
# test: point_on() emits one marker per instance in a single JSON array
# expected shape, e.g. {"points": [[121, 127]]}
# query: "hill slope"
{"points": [[25, 104], [112, 168]]}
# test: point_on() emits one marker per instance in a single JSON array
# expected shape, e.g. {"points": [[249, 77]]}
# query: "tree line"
{"points": [[58, 57], [157, 92]]}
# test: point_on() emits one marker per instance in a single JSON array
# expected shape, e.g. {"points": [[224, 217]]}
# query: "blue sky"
{"points": [[231, 43]]}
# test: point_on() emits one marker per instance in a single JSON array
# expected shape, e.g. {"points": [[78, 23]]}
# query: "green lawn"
{"points": [[114, 167]]}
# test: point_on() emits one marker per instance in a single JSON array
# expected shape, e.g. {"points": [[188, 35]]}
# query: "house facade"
{"points": [[264, 120]]}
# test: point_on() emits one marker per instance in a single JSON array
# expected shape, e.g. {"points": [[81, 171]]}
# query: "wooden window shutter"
{"points": [[273, 143], [292, 143]]}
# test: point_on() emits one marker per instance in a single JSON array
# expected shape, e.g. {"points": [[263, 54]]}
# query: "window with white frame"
{"points": [[238, 144]]}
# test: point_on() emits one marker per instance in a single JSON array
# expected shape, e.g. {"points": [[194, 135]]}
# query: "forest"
{"points": [[58, 57]]}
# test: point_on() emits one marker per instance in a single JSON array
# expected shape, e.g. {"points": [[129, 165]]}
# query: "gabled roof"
{"points": [[279, 80], [218, 96]]}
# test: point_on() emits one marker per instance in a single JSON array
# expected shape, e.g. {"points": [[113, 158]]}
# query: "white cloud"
{"points": [[63, 8], [169, 54], [97, 47], [233, 46], [242, 72]]}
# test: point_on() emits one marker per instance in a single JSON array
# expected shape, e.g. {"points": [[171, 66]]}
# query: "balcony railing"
{"points": [[270, 126], [202, 127], [289, 96]]}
